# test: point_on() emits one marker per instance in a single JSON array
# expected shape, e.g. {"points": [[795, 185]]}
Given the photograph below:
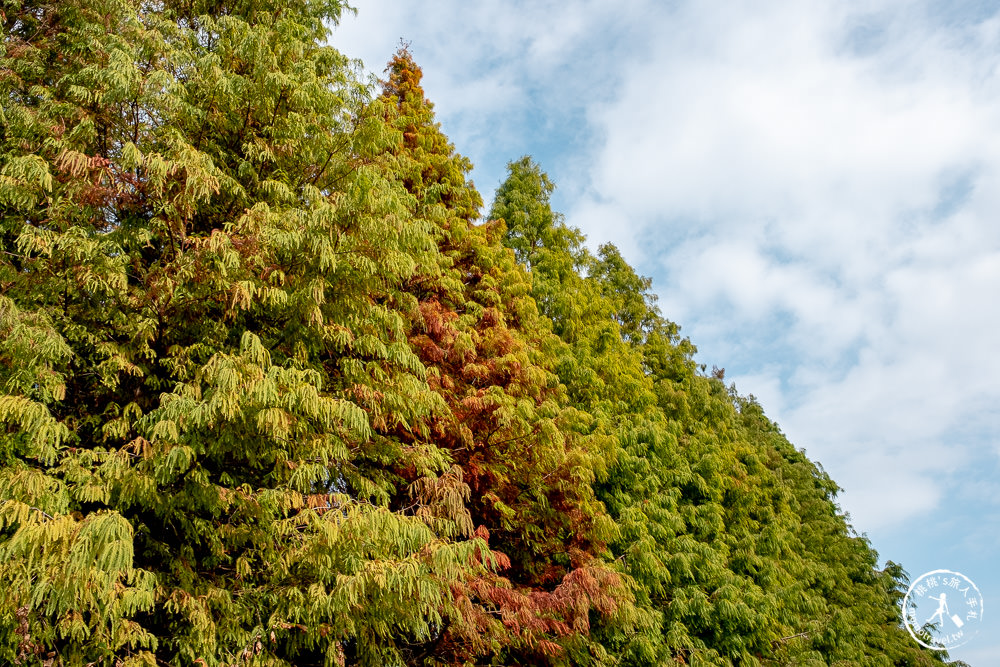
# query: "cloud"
{"points": [[812, 186], [508, 79]]}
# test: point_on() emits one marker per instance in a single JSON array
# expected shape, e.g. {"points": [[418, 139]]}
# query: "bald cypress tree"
{"points": [[732, 538], [206, 386], [521, 461]]}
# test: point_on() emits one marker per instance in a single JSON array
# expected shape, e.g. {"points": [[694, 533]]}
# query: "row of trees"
{"points": [[272, 394]]}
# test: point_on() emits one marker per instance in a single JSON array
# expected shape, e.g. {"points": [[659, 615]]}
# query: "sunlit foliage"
{"points": [[271, 393]]}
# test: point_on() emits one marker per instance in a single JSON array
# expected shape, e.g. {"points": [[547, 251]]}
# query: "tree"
{"points": [[731, 537], [201, 262], [525, 469]]}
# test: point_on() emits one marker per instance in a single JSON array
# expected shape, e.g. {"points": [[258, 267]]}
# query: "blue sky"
{"points": [[814, 189]]}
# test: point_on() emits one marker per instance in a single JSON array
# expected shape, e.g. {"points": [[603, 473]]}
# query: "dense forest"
{"points": [[277, 388]]}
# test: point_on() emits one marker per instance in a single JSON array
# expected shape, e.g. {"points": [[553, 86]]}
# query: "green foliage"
{"points": [[731, 537], [201, 257], [271, 395]]}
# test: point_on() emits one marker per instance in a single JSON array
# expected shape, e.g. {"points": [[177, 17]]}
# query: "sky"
{"points": [[812, 186]]}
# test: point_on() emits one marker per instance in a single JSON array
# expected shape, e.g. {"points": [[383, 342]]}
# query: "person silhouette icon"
{"points": [[941, 610]]}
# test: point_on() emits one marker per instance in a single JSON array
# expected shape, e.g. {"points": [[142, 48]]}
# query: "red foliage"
{"points": [[501, 428]]}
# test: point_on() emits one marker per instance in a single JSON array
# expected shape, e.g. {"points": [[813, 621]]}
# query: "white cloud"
{"points": [[813, 186], [823, 179], [824, 182], [510, 78]]}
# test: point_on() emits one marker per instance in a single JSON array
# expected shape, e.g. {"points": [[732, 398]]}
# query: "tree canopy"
{"points": [[273, 393]]}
